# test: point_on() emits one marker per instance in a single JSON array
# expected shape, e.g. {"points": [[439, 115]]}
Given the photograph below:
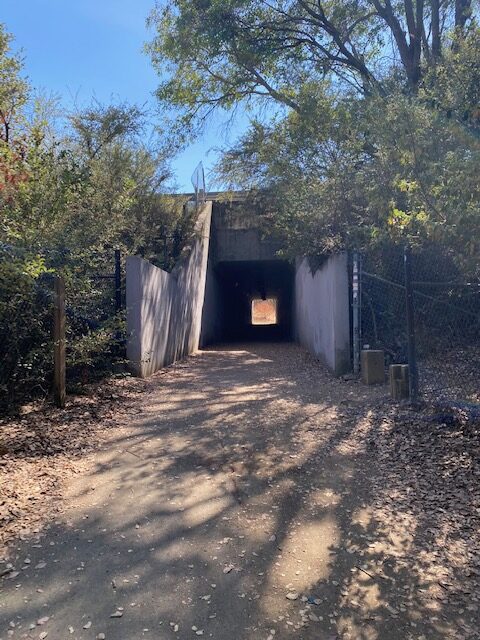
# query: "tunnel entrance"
{"points": [[231, 285], [249, 301], [249, 290]]}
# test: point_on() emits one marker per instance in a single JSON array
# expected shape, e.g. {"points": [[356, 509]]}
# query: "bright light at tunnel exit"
{"points": [[264, 311]]}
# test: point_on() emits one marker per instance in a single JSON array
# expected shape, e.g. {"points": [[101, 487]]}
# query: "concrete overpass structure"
{"points": [[211, 295]]}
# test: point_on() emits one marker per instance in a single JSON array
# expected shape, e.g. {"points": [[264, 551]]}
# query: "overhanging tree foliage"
{"points": [[372, 122], [362, 171], [217, 53]]}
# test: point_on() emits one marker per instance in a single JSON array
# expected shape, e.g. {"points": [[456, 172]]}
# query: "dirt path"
{"points": [[244, 500]]}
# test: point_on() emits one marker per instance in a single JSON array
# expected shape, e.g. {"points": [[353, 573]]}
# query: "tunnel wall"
{"points": [[321, 311], [164, 310], [213, 316]]}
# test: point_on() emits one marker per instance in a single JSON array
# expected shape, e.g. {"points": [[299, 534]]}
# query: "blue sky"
{"points": [[84, 48]]}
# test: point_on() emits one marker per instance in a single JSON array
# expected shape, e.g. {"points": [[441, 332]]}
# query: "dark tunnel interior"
{"points": [[240, 282]]}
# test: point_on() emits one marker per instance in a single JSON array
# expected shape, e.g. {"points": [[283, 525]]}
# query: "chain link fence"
{"points": [[94, 322], [446, 304], [440, 340], [383, 322]]}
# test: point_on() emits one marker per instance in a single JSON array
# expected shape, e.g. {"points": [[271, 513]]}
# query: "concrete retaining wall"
{"points": [[321, 312], [164, 310], [212, 318]]}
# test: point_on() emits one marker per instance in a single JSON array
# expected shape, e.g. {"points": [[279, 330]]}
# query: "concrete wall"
{"points": [[164, 310], [236, 234], [321, 312], [213, 316]]}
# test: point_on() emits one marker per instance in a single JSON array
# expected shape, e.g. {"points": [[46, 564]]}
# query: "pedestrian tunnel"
{"points": [[232, 285], [247, 301]]}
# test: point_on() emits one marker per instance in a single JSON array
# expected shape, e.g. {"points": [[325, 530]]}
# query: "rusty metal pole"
{"points": [[118, 281], [356, 312], [410, 317], [59, 388]]}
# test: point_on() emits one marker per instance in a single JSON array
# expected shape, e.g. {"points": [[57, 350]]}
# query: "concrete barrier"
{"points": [[372, 365], [164, 310], [399, 381]]}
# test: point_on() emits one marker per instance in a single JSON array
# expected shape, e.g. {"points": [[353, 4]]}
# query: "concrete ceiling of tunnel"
{"points": [[261, 278]]}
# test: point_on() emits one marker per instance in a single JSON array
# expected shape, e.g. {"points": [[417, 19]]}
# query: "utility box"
{"points": [[372, 362], [399, 384]]}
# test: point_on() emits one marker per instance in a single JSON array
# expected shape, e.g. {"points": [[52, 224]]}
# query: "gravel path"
{"points": [[244, 497]]}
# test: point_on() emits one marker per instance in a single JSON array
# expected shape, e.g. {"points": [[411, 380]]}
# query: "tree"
{"points": [[372, 119], [13, 88], [13, 97], [69, 195], [362, 170], [217, 53], [98, 126]]}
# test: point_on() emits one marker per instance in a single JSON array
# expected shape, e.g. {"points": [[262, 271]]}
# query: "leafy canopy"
{"points": [[217, 53], [370, 122]]}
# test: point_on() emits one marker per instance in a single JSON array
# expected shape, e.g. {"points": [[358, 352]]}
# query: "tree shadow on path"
{"points": [[250, 475]]}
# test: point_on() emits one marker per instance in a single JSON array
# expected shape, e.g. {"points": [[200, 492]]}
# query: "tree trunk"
{"points": [[436, 44], [410, 50], [462, 11]]}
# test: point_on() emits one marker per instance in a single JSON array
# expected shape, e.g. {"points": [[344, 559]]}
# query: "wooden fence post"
{"points": [[59, 342]]}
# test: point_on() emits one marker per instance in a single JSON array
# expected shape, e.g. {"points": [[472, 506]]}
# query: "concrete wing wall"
{"points": [[164, 310], [321, 312], [213, 316]]}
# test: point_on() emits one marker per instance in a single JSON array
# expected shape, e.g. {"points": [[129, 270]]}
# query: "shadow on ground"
{"points": [[248, 498]]}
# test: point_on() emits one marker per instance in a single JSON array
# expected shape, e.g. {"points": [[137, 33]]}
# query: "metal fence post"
{"points": [[118, 282], [356, 312], [59, 388], [412, 356]]}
